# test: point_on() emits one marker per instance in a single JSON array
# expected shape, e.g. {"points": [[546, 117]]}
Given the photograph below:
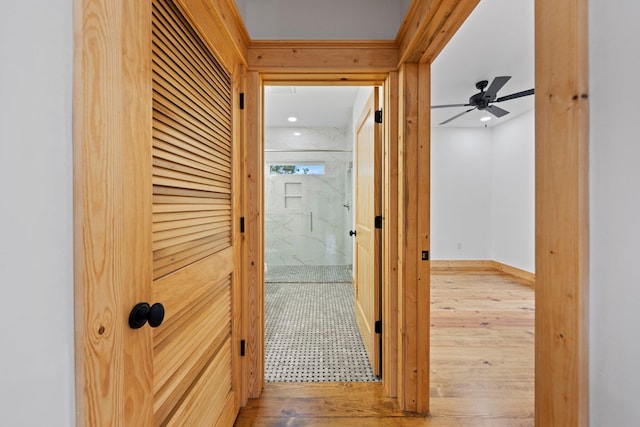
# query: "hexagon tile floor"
{"points": [[310, 332]]}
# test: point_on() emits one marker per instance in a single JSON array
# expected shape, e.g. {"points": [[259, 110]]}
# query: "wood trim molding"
{"points": [[428, 27], [462, 264], [220, 25], [528, 277], [414, 132], [253, 239], [296, 56], [390, 237], [324, 78], [112, 210], [562, 212], [238, 362]]}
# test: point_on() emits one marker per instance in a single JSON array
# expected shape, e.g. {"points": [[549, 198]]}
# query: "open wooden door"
{"points": [[156, 159], [195, 350], [368, 205]]}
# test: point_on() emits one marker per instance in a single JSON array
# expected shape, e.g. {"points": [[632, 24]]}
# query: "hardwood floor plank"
{"points": [[482, 366]]}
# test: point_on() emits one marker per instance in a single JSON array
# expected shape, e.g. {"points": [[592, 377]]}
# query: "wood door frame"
{"points": [[254, 241]]}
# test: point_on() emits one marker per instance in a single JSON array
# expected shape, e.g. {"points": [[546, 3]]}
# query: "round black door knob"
{"points": [[352, 233], [142, 313]]}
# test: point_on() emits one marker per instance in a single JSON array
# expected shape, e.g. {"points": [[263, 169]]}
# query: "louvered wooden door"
{"points": [[195, 376]]}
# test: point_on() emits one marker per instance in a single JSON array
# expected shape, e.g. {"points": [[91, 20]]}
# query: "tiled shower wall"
{"points": [[306, 221]]}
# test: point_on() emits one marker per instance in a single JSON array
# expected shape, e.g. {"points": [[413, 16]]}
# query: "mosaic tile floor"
{"points": [[308, 273], [311, 335]]}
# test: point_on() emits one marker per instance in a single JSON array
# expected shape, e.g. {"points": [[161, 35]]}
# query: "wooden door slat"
{"points": [[171, 191], [216, 108], [189, 170], [187, 257], [158, 153], [193, 51], [183, 231], [187, 106], [220, 244], [173, 66], [161, 168], [163, 244], [167, 143], [172, 225], [171, 182], [197, 120], [184, 136], [189, 208]]}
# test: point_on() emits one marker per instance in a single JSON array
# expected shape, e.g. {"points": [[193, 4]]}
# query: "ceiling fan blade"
{"points": [[497, 111], [451, 105], [515, 95], [456, 116], [496, 85]]}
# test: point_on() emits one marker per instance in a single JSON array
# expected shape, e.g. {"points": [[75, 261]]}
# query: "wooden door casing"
{"points": [[367, 247]]}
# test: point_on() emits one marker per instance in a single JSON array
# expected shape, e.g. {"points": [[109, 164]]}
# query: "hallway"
{"points": [[482, 355]]}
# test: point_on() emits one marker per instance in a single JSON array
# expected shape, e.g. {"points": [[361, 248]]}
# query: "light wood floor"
{"points": [[482, 366]]}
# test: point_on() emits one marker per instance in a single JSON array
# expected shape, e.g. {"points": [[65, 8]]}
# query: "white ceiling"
{"points": [[313, 106], [322, 20], [496, 40]]}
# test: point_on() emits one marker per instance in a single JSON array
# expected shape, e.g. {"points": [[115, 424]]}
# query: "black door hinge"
{"points": [[378, 221], [378, 326], [242, 347], [242, 100], [378, 118], [242, 224]]}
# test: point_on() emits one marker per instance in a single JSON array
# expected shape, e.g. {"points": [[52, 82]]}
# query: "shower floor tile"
{"points": [[311, 334], [308, 273]]}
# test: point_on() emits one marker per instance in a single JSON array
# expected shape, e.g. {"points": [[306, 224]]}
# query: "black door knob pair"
{"points": [[143, 313], [352, 233]]}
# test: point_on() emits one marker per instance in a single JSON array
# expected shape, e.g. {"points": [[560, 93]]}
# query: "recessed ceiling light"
{"points": [[293, 119], [485, 118], [297, 133]]}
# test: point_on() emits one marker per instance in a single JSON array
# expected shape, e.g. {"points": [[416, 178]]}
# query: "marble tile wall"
{"points": [[312, 229]]}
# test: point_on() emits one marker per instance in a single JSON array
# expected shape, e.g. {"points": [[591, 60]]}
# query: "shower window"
{"points": [[305, 169]]}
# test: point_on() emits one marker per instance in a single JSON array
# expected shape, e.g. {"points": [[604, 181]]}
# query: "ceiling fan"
{"points": [[483, 99]]}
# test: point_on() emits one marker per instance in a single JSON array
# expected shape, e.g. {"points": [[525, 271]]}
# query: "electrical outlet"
{"points": [[459, 246]]}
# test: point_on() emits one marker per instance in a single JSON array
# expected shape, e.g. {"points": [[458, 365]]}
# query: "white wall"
{"points": [[461, 201], [614, 50], [482, 193], [314, 229], [513, 192], [36, 303]]}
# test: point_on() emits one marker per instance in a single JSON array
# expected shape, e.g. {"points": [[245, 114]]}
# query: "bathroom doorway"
{"points": [[310, 331]]}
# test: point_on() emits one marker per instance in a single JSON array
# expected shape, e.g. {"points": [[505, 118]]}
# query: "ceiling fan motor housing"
{"points": [[481, 100]]}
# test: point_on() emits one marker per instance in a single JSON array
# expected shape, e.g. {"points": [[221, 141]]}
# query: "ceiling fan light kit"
{"points": [[484, 99]]}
